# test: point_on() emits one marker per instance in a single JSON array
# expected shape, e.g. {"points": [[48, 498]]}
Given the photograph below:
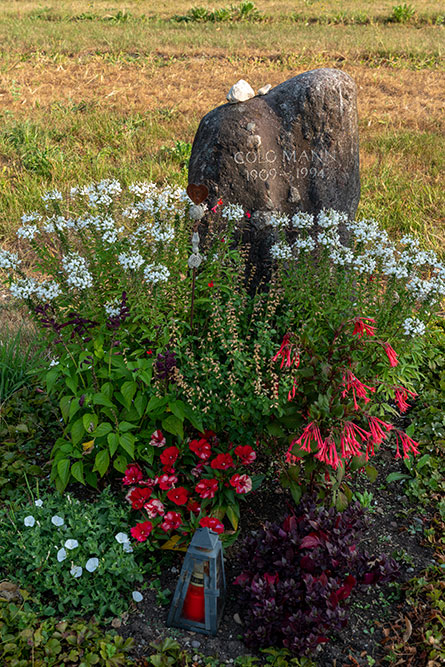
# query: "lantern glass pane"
{"points": [[193, 608]]}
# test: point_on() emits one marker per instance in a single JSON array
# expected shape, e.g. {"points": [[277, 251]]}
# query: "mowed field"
{"points": [[91, 90]]}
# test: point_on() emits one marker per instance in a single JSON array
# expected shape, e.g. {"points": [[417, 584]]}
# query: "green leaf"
{"points": [[90, 422], [120, 463], [193, 418], [77, 471], [423, 461], [371, 473], [128, 390], [103, 429], [275, 429], [126, 441], [177, 407], [113, 443], [101, 399], [173, 425], [77, 431], [296, 492], [63, 471], [51, 379], [102, 462], [65, 402], [411, 430], [396, 476], [233, 514], [72, 383], [155, 403], [126, 426], [342, 501]]}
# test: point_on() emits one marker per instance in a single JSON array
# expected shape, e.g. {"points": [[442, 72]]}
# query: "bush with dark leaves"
{"points": [[301, 572]]}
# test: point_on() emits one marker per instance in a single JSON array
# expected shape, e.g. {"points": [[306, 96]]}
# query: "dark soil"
{"points": [[395, 528]]}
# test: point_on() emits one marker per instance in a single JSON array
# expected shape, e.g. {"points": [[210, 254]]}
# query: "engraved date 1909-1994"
{"points": [[266, 174]]}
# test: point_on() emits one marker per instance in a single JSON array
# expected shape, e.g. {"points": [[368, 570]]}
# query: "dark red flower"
{"points": [[201, 448], [213, 524], [222, 462], [285, 352], [210, 284], [207, 488], [179, 495], [193, 506], [141, 531], [138, 497], [157, 439], [172, 520], [167, 481], [169, 456], [245, 453], [133, 474], [241, 483]]}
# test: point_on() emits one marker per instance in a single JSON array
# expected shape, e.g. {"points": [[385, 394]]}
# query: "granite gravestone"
{"points": [[294, 148]]}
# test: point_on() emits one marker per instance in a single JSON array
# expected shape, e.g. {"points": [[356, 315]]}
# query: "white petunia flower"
{"points": [[61, 555], [92, 564], [71, 544], [127, 548], [137, 597], [156, 273], [29, 520], [38, 502], [76, 571], [121, 538], [57, 520]]}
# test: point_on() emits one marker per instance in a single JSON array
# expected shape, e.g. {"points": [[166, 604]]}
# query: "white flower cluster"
{"points": [[52, 195], [23, 288], [58, 223], [99, 194], [156, 273], [48, 290], [27, 232], [233, 213], [277, 220], [9, 260], [306, 245], [302, 220], [33, 216], [76, 268], [162, 233], [281, 250], [113, 308], [412, 326], [331, 219], [131, 260]]}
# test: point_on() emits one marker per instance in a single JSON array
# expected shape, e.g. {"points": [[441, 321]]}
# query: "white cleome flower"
{"points": [[76, 571], [29, 520], [52, 195], [33, 216], [412, 326], [121, 538], [156, 273], [71, 544], [27, 232], [38, 502], [9, 260], [47, 291], [281, 251], [61, 555], [92, 564], [113, 308], [23, 288], [57, 520], [233, 213], [76, 268], [302, 220], [137, 597], [130, 260]]}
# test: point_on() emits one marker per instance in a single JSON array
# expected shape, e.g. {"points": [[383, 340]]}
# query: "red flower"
{"points": [[285, 352], [328, 453], [133, 474], [154, 507], [248, 215], [350, 446], [172, 520], [358, 388], [169, 456], [179, 496], [311, 432], [149, 352], [376, 427], [245, 453], [141, 531], [201, 448], [222, 462], [193, 506], [207, 488], [401, 395], [157, 439], [138, 497], [242, 483], [392, 356], [408, 445], [361, 326], [167, 481], [210, 284], [213, 524]]}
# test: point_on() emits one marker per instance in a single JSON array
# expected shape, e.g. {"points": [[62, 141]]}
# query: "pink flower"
{"points": [[201, 448], [157, 439], [358, 388], [362, 326], [401, 394], [141, 531], [213, 524], [285, 352], [245, 453], [376, 427], [154, 508], [172, 520], [169, 456], [408, 445], [222, 462], [242, 483], [167, 481], [310, 433], [207, 488], [133, 474], [392, 356], [350, 446], [138, 497], [328, 453], [179, 496]]}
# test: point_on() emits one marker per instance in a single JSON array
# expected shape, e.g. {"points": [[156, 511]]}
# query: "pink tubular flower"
{"points": [[242, 483], [213, 524], [350, 446], [401, 394], [358, 388], [172, 520], [285, 352], [408, 445], [362, 326], [167, 481], [133, 474], [392, 356], [201, 448], [376, 427], [154, 508], [138, 497], [328, 453], [157, 439], [222, 462], [310, 433], [141, 531], [207, 488], [245, 453]]}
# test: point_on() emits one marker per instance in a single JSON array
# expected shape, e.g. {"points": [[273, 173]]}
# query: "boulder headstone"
{"points": [[294, 148]]}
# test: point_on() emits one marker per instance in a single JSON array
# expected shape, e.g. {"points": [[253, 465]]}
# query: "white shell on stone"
{"points": [[241, 91], [264, 89], [194, 261], [254, 141], [196, 212]]}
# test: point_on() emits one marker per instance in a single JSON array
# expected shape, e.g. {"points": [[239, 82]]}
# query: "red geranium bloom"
{"points": [[242, 483], [172, 520], [167, 481], [207, 488], [138, 497], [362, 325], [169, 456], [222, 462], [392, 356], [179, 496], [201, 448], [157, 439], [245, 453], [154, 507], [141, 531], [213, 524], [133, 474]]}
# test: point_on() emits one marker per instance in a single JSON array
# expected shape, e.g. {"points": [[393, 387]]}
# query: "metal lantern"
{"points": [[199, 597]]}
